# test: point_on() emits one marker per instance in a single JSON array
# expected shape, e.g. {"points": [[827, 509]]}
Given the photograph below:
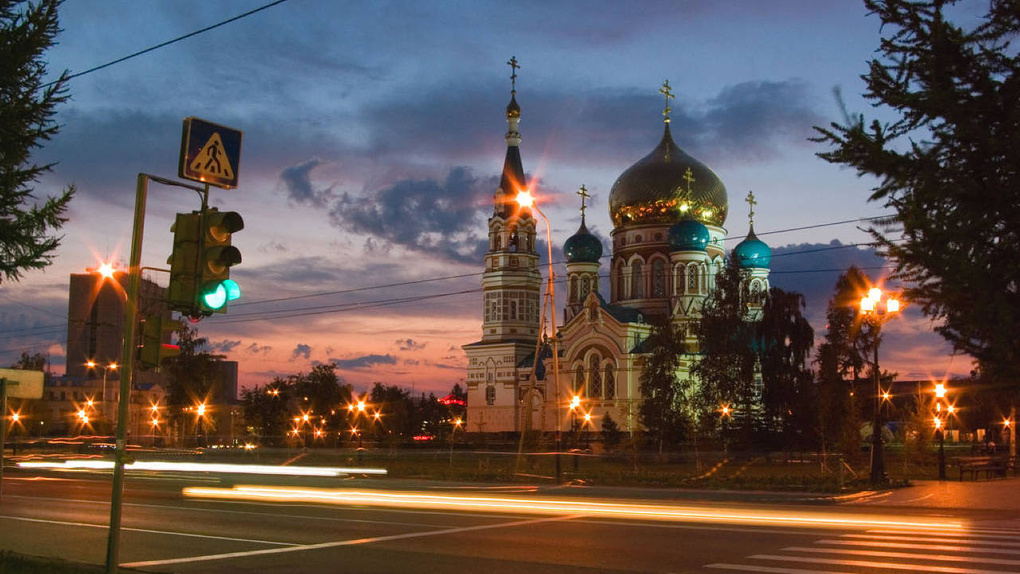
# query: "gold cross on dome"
{"points": [[583, 192], [514, 66], [668, 92], [689, 178], [751, 203]]}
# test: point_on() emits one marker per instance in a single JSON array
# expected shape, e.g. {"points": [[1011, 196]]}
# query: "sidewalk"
{"points": [[995, 494]]}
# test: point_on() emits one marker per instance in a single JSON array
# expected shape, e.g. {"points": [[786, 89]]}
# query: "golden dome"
{"points": [[665, 184]]}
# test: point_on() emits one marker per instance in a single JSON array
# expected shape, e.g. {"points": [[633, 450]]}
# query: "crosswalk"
{"points": [[967, 551]]}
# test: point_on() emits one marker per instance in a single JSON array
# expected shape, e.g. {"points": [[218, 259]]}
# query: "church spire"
{"points": [[512, 180]]}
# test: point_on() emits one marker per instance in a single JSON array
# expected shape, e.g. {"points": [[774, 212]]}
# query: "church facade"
{"points": [[668, 211]]}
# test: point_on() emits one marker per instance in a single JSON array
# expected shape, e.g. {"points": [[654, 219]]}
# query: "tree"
{"points": [[322, 395], [946, 166], [611, 433], [27, 107], [191, 380], [32, 362], [660, 410], [726, 341], [267, 410], [787, 339]]}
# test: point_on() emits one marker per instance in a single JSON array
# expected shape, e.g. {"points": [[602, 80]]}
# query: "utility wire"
{"points": [[167, 43]]}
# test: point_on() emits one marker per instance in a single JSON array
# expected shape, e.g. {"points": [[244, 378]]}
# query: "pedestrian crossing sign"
{"points": [[210, 153]]}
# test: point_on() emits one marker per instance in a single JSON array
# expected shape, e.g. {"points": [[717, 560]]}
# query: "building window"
{"points": [[658, 278], [595, 377], [692, 279], [513, 310], [585, 287], [619, 283], [637, 290], [579, 379], [490, 395], [610, 379], [678, 281], [573, 289]]}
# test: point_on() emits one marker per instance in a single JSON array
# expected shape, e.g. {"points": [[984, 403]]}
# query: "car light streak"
{"points": [[158, 466], [546, 506]]}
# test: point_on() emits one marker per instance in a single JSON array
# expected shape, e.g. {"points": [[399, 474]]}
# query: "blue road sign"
{"points": [[210, 153]]}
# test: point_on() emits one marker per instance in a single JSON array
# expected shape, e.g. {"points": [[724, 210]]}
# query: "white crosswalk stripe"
{"points": [[968, 551]]}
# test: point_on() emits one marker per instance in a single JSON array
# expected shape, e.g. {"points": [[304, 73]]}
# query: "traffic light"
{"points": [[155, 345], [183, 289], [218, 256]]}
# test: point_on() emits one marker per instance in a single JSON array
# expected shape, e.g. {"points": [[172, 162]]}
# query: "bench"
{"points": [[976, 464]]}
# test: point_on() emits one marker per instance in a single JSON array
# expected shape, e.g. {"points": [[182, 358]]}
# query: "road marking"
{"points": [[771, 570], [339, 543], [904, 545], [934, 538], [879, 565], [148, 531], [969, 533], [908, 555]]}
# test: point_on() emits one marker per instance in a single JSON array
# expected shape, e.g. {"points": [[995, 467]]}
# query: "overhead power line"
{"points": [[167, 43]]}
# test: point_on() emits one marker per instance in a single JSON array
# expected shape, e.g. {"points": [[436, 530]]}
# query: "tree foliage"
{"points": [[787, 390], [192, 375], [27, 108], [661, 409], [947, 167]]}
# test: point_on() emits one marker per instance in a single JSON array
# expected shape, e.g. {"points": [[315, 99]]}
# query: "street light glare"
{"points": [[892, 306], [525, 199], [106, 270], [874, 293]]}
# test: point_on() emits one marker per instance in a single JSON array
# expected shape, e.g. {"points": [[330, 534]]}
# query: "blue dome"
{"points": [[582, 247], [688, 234], [752, 252]]}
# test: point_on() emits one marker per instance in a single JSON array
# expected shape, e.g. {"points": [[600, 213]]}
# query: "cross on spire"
{"points": [[750, 204], [514, 66], [665, 90], [583, 192], [689, 178]]}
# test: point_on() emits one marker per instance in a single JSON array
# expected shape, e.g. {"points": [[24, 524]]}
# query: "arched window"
{"points": [[585, 287], [637, 290], [512, 244], [610, 380], [692, 279], [595, 376], [678, 282], [756, 294], [513, 310], [619, 283], [494, 312], [499, 242], [573, 289], [579, 380], [658, 278]]}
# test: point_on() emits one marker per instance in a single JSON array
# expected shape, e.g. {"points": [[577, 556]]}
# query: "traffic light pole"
{"points": [[128, 360]]}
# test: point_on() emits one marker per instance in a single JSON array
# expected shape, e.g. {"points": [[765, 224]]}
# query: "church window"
{"points": [[692, 279], [756, 294], [585, 287], [490, 395], [610, 380], [637, 290], [579, 379], [595, 377], [619, 283], [679, 283], [658, 278], [573, 289], [493, 312], [593, 313], [637, 239], [499, 243], [512, 244], [513, 310]]}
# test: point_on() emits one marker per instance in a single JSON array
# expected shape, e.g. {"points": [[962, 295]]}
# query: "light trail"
{"points": [[158, 466], [552, 506]]}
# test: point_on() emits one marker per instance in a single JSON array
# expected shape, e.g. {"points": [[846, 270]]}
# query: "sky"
{"points": [[373, 142]]}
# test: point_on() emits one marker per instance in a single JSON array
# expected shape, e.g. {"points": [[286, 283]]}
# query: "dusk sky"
{"points": [[373, 142]]}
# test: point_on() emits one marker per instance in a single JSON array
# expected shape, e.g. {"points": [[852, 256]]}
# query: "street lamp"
{"points": [[525, 199], [575, 405], [876, 308]]}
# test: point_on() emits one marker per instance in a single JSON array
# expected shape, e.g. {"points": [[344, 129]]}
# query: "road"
{"points": [[403, 527]]}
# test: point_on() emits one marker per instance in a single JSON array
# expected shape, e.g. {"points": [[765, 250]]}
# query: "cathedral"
{"points": [[668, 212]]}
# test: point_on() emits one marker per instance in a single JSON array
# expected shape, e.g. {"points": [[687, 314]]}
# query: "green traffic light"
{"points": [[233, 289], [214, 296]]}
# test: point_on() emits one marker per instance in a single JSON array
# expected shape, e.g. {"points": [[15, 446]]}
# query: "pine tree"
{"points": [[787, 339], [27, 107], [660, 411], [947, 167]]}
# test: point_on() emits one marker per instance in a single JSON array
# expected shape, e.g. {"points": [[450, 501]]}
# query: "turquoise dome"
{"points": [[753, 252], [688, 234], [582, 247]]}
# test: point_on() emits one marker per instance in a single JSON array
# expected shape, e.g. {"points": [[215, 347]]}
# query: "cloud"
{"points": [[298, 184], [301, 350], [364, 361], [256, 349], [410, 345], [439, 218], [223, 346]]}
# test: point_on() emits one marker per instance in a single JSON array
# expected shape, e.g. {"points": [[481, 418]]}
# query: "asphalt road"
{"points": [[513, 529]]}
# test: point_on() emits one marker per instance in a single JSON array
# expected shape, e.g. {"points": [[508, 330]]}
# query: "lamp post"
{"points": [[878, 308], [525, 199], [575, 405], [940, 430]]}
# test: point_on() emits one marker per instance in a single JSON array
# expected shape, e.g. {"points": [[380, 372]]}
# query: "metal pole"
{"points": [[942, 454], [128, 360], [877, 459], [3, 430], [551, 290]]}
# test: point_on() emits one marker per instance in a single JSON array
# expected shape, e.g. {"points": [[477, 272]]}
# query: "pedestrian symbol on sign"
{"points": [[212, 161]]}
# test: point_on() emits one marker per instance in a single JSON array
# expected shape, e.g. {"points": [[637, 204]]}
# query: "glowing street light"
{"points": [[526, 200], [877, 307]]}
